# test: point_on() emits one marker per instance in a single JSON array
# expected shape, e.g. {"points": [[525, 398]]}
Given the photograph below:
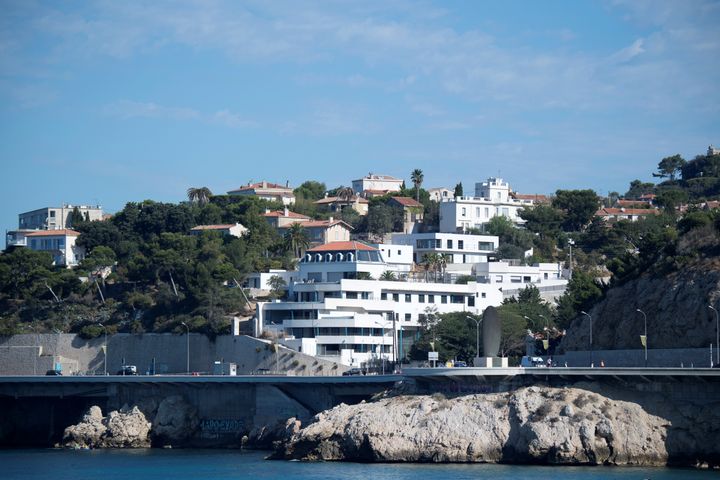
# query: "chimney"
{"points": [[287, 212], [267, 210], [264, 184], [287, 183], [331, 219]]}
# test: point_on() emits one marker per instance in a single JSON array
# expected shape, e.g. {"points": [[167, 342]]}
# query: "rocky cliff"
{"points": [[530, 425], [676, 305]]}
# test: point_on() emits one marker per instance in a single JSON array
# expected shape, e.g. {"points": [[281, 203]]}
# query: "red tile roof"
{"points": [[532, 196], [255, 186], [342, 246], [319, 224], [606, 212], [406, 201], [54, 233], [281, 213], [633, 203]]}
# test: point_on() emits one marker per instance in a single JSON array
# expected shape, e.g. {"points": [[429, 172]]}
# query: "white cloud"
{"points": [[128, 109]]}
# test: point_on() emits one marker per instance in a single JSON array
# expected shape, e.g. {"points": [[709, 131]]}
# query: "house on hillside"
{"points": [[413, 212], [632, 214], [54, 218], [323, 231], [59, 243], [267, 191], [283, 218], [337, 204], [375, 185], [232, 229], [441, 194]]}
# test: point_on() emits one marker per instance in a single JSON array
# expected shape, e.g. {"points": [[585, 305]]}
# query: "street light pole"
{"points": [[104, 350], [717, 334], [646, 337], [571, 242], [592, 361], [187, 350], [477, 333]]}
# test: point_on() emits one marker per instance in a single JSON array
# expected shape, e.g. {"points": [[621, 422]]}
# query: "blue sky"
{"points": [[113, 102]]}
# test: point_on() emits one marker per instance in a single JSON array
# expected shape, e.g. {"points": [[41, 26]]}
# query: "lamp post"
{"points": [[104, 349], [547, 322], [571, 242], [717, 334], [187, 347], [592, 362], [646, 338], [477, 335]]}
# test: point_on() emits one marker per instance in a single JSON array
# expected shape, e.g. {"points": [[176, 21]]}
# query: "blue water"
{"points": [[229, 464]]}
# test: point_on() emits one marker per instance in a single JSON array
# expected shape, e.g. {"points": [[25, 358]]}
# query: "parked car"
{"points": [[54, 373], [529, 362], [127, 370], [460, 364], [352, 371]]}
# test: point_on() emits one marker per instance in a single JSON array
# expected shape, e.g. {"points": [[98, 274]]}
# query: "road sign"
{"points": [[432, 356]]}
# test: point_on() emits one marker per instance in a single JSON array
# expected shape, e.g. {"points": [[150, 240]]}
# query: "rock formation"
{"points": [[175, 422], [124, 428], [528, 425]]}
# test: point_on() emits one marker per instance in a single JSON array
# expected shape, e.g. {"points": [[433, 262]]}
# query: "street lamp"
{"points": [[592, 362], [104, 349], [477, 340], [187, 350], [547, 322], [717, 334], [645, 342], [571, 242]]}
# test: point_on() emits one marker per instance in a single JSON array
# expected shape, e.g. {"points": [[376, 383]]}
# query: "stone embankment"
{"points": [[529, 425], [174, 422]]}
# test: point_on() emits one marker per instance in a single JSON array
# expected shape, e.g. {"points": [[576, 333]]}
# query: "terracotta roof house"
{"points": [[323, 231], [535, 198], [632, 214], [282, 218], [413, 212], [232, 229], [373, 182], [633, 204], [267, 191]]}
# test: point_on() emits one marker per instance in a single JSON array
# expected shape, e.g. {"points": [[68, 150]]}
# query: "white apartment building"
{"points": [[398, 258], [459, 248], [54, 218], [60, 244], [333, 312], [377, 184], [549, 278], [492, 198]]}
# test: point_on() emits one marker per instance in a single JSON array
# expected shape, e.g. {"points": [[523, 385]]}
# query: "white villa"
{"points": [[60, 244], [374, 184], [549, 278], [492, 198], [460, 248], [336, 313], [55, 218]]}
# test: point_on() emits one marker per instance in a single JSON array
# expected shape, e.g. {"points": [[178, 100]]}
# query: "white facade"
{"points": [[492, 199], [398, 258], [234, 229], [549, 278], [59, 243], [441, 194], [459, 248], [267, 191], [374, 182], [54, 218], [260, 281], [335, 314]]}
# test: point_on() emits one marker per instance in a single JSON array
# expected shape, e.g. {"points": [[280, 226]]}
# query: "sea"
{"points": [[52, 464]]}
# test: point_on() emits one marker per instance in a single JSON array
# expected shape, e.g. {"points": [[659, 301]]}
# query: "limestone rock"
{"points": [[176, 421], [124, 428], [529, 425]]}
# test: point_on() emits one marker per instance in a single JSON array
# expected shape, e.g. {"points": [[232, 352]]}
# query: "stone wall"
{"points": [[35, 354]]}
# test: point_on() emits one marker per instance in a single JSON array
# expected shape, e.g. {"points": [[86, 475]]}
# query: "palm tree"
{"points": [[431, 261], [345, 193], [388, 276], [200, 195], [442, 262], [417, 178], [296, 240]]}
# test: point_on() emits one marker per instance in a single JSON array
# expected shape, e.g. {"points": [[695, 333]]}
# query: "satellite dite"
{"points": [[492, 332]]}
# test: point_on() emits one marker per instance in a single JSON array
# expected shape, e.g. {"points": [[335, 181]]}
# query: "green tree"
{"points": [[671, 198], [310, 190], [388, 276], [669, 167], [417, 178], [458, 190], [296, 239], [580, 206], [638, 188], [278, 285], [581, 293]]}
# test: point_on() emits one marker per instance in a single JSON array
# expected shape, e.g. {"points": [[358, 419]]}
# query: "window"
{"points": [[438, 243], [399, 252], [463, 212], [351, 295], [443, 298], [515, 279], [485, 246], [396, 297], [483, 295], [477, 212], [460, 244], [389, 252], [52, 213], [487, 212], [365, 295], [408, 298], [526, 279], [383, 296], [545, 275], [457, 299], [449, 244], [421, 298], [471, 301], [498, 279], [431, 298], [408, 317]]}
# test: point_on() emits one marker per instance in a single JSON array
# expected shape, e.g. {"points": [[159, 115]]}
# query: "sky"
{"points": [[108, 102]]}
